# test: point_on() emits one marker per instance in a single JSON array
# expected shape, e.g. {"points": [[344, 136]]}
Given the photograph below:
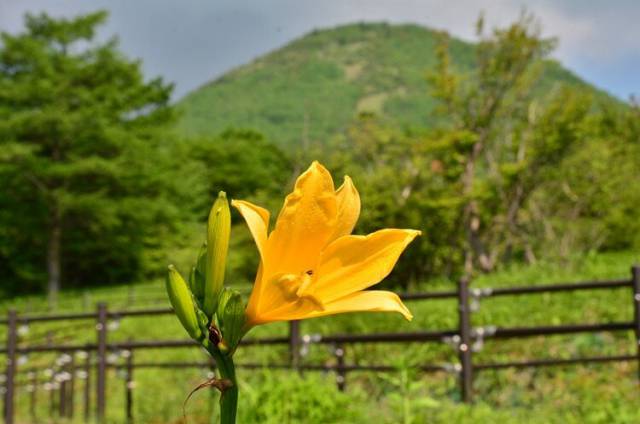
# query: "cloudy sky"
{"points": [[191, 41]]}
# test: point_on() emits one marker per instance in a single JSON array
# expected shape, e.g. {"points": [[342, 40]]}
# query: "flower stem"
{"points": [[229, 394]]}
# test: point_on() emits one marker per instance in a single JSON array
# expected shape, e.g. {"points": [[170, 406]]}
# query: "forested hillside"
{"points": [[312, 88]]}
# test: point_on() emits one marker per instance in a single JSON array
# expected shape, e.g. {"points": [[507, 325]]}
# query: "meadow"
{"points": [[592, 393]]}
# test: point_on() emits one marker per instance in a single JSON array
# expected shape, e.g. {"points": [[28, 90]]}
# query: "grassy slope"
{"points": [[314, 86], [597, 393]]}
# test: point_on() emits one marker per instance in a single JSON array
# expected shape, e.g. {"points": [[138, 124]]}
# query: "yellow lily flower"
{"points": [[310, 264]]}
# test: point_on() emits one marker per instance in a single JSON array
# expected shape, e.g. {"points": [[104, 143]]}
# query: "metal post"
{"points": [[635, 281], [34, 396], [12, 342], [101, 327], [62, 412], [87, 387], [129, 384], [52, 398], [464, 348], [341, 373], [294, 343], [72, 386]]}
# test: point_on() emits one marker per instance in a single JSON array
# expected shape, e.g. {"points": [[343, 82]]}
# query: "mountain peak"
{"points": [[314, 86]]}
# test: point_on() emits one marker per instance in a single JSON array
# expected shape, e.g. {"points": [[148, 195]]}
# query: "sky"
{"points": [[191, 42]]}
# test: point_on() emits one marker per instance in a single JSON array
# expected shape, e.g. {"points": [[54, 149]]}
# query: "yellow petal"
{"points": [[305, 224], [300, 309], [257, 219], [353, 263], [348, 201], [364, 301], [369, 300], [252, 305]]}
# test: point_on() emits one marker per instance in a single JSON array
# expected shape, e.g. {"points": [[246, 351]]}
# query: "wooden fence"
{"points": [[75, 364]]}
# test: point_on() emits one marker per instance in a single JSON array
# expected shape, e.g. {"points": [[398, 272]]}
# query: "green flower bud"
{"points": [[232, 318], [218, 231], [183, 303], [198, 274]]}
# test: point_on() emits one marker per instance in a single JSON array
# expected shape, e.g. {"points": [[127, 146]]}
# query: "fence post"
{"points": [[33, 378], [635, 281], [341, 376], [129, 384], [52, 397], [72, 386], [87, 387], [464, 348], [12, 342], [101, 327], [294, 343], [62, 412]]}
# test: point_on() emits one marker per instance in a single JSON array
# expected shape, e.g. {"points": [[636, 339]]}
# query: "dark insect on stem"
{"points": [[214, 335]]}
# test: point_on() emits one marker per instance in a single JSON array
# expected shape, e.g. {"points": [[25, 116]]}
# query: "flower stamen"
{"points": [[295, 288]]}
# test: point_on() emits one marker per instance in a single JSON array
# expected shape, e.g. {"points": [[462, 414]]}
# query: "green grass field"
{"points": [[574, 394]]}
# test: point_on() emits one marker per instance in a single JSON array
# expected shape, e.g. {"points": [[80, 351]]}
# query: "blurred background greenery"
{"points": [[495, 151]]}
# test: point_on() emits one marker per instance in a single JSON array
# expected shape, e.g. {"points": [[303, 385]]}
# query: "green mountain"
{"points": [[314, 86]]}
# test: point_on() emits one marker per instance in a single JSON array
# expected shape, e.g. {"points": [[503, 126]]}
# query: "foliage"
{"points": [[275, 398], [88, 174], [590, 197], [486, 183], [488, 104], [242, 162]]}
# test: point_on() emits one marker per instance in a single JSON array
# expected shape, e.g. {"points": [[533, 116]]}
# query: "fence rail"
{"points": [[96, 361]]}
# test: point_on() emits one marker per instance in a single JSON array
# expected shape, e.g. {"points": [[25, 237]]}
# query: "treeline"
{"points": [[97, 187]]}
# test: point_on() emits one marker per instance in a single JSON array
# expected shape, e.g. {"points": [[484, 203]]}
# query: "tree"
{"points": [[490, 105], [241, 161], [86, 171], [405, 181], [591, 198]]}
